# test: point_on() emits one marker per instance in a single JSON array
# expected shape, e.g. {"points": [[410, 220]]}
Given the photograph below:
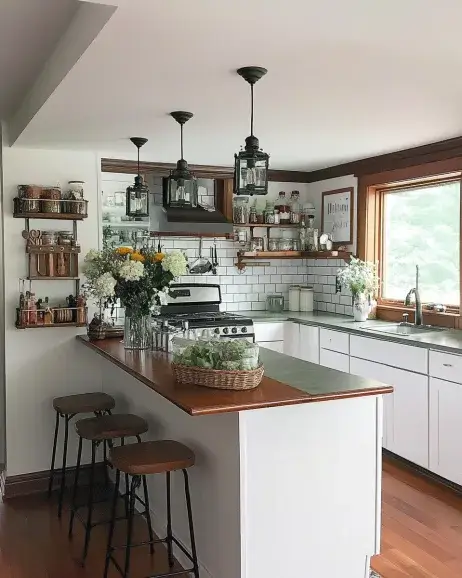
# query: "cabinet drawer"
{"points": [[269, 331], [334, 340], [446, 366], [394, 354], [334, 360]]}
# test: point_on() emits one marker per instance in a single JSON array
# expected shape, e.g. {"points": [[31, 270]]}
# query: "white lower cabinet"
{"points": [[334, 360], [273, 345], [405, 410], [292, 339], [309, 343], [446, 429]]}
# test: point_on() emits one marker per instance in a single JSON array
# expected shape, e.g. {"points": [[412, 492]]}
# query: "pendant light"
{"points": [[251, 163], [182, 184], [137, 204]]}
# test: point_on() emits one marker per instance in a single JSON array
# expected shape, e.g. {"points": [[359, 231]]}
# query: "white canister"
{"points": [[306, 299], [294, 298]]}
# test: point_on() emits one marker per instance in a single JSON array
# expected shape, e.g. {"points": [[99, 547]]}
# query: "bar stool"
{"points": [[140, 460], [67, 408], [106, 428]]}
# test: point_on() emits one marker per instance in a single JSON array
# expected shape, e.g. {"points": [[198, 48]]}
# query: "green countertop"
{"points": [[449, 340]]}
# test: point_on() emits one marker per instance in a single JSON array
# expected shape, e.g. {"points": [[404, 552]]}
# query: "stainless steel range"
{"points": [[195, 308]]}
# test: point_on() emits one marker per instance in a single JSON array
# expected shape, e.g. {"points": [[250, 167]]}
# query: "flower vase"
{"points": [[137, 331], [361, 307]]}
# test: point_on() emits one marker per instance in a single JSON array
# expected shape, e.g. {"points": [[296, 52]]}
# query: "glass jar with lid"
{"points": [[241, 210], [295, 208], [253, 215], [283, 207], [269, 213], [275, 303], [273, 244], [286, 244]]}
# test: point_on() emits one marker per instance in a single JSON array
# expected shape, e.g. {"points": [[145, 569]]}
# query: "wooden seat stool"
{"points": [[67, 408], [138, 461], [98, 430]]}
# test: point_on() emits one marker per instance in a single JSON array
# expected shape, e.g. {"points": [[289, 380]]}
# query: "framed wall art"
{"points": [[337, 214]]}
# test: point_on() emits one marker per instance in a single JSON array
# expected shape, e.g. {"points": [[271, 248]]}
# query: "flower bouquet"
{"points": [[140, 279], [360, 277]]}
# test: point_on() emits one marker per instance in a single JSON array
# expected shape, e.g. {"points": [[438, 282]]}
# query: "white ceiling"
{"points": [[346, 80], [29, 30]]}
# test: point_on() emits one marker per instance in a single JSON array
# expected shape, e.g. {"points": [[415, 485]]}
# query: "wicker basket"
{"points": [[217, 378]]}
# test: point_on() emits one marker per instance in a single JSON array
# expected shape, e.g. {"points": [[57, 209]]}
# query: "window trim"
{"points": [[371, 191]]}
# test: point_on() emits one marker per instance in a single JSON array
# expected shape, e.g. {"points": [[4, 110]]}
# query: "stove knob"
{"points": [[217, 330], [234, 330], [244, 330], [225, 330]]}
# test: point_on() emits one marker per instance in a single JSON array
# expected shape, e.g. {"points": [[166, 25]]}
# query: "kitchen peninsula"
{"points": [[289, 488]]}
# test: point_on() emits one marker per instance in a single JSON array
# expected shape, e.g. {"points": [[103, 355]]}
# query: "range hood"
{"points": [[188, 220]]}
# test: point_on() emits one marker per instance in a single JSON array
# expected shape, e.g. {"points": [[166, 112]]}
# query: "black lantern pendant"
{"points": [[251, 164], [137, 204], [182, 184]]}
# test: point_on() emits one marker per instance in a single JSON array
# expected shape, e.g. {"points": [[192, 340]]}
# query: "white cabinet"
{"points": [[273, 345], [334, 360], [405, 410], [269, 331], [446, 366], [446, 429], [334, 340], [309, 343], [292, 339], [390, 353]]}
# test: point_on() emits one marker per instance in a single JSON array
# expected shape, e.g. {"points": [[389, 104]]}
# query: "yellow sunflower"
{"points": [[159, 256], [137, 257]]}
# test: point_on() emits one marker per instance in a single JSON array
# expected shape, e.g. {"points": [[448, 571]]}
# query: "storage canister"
{"points": [[306, 299], [275, 303], [294, 298]]}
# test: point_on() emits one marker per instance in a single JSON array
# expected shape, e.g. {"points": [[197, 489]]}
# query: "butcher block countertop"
{"points": [[287, 381]]}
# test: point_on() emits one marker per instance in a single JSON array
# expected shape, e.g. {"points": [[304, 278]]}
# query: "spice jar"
{"points": [[273, 244], [295, 208], [65, 238], [256, 244], [241, 210], [48, 238], [284, 208], [253, 215], [276, 217], [286, 244], [275, 303], [54, 204], [260, 216], [31, 195]]}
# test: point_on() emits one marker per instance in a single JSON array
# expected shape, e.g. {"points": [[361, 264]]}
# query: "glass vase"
{"points": [[137, 332]]}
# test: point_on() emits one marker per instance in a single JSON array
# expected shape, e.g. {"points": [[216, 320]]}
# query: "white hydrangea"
{"points": [[163, 294], [175, 263], [91, 255], [131, 270], [104, 286]]}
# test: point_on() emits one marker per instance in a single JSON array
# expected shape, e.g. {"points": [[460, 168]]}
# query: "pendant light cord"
{"points": [[138, 161], [251, 110], [181, 128]]}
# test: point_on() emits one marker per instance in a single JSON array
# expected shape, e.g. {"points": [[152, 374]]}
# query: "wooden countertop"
{"points": [[299, 381]]}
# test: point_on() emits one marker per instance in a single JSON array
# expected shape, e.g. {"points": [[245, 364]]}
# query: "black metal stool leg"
{"points": [[135, 484], [74, 491], [88, 526], [63, 469], [53, 456], [112, 525], [106, 475], [191, 526], [127, 486], [148, 515], [169, 522]]}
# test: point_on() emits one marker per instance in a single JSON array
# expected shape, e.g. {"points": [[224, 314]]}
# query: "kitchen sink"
{"points": [[406, 329]]}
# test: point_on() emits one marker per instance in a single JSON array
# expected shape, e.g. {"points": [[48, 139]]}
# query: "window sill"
{"points": [[389, 312]]}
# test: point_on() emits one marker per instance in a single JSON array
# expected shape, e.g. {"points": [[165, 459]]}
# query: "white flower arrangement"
{"points": [[360, 277], [175, 263], [131, 270]]}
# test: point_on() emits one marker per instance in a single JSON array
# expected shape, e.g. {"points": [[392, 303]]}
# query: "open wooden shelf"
{"points": [[43, 326], [57, 216], [242, 257], [48, 249], [266, 226], [54, 278]]}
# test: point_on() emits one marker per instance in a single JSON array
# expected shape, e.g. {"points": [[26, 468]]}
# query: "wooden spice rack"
{"points": [[51, 263]]}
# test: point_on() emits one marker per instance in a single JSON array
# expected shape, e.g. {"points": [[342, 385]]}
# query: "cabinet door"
{"points": [[309, 343], [405, 410], [334, 360], [292, 339], [273, 345], [446, 429]]}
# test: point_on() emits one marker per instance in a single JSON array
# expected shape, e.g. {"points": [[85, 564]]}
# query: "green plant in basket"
{"points": [[230, 355]]}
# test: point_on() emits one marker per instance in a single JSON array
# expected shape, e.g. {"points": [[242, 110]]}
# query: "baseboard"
{"points": [[37, 482], [430, 476]]}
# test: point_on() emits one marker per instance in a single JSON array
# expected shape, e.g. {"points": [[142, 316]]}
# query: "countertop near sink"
{"points": [[450, 340]]}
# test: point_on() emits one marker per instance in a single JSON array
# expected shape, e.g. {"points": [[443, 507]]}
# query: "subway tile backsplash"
{"points": [[248, 290]]}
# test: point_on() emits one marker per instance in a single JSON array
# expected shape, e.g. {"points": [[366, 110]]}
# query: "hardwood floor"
{"points": [[421, 537]]}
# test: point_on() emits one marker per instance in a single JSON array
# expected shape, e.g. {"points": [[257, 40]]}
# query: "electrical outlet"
{"points": [[338, 286]]}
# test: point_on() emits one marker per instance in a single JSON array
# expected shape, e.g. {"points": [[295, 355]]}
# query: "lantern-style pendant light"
{"points": [[251, 164], [182, 184], [137, 204]]}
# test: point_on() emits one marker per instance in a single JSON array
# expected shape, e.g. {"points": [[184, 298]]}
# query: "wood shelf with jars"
{"points": [[51, 256], [244, 256]]}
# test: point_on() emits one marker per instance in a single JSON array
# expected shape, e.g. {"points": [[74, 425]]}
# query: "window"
{"points": [[421, 225]]}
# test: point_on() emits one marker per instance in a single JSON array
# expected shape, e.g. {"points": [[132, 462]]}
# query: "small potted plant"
{"points": [[360, 277]]}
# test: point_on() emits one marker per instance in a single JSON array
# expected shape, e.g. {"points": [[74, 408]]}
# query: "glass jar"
{"points": [[296, 245], [286, 244], [241, 210], [54, 204], [49, 238], [269, 215], [253, 215], [276, 217], [256, 244], [273, 244], [283, 207], [241, 236], [65, 238], [295, 207], [260, 216], [275, 303]]}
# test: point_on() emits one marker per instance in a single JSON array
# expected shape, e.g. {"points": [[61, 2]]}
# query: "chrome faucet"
{"points": [[418, 302]]}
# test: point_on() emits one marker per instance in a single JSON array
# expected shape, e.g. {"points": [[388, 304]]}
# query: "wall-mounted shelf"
{"points": [[55, 216], [266, 226], [44, 326], [20, 206], [50, 249], [127, 224], [243, 257], [54, 278]]}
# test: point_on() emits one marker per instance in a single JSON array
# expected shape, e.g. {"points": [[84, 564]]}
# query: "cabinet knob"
{"points": [[447, 364]]}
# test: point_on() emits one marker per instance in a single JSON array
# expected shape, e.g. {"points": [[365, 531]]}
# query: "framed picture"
{"points": [[337, 215]]}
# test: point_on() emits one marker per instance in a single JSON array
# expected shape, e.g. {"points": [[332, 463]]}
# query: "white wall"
{"points": [[42, 363], [2, 315]]}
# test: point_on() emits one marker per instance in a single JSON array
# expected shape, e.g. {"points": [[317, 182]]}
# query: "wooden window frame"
{"points": [[371, 192]]}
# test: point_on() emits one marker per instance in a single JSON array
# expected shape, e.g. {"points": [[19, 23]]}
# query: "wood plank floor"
{"points": [[421, 538]]}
